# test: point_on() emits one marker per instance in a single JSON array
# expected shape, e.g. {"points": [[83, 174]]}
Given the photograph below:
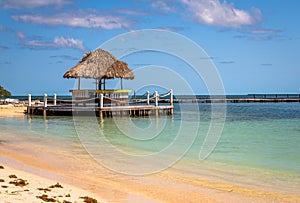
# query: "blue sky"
{"points": [[254, 44]]}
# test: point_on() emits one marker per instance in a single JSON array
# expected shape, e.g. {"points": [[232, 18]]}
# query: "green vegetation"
{"points": [[4, 92]]}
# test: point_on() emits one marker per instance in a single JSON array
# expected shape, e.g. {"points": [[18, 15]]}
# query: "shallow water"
{"points": [[259, 144]]}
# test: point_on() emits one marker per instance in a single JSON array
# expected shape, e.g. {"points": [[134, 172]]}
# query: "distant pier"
{"points": [[250, 98]]}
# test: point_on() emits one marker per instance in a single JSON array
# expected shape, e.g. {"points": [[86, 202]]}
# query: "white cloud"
{"points": [[38, 44], [213, 12], [261, 38], [161, 5], [264, 31], [132, 12], [260, 34], [58, 42], [84, 20], [20, 4], [68, 43], [170, 28], [21, 35]]}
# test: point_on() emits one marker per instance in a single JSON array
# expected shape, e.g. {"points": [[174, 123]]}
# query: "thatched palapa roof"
{"points": [[100, 65]]}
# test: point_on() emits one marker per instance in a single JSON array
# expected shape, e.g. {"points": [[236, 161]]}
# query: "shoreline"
{"points": [[82, 172], [166, 186]]}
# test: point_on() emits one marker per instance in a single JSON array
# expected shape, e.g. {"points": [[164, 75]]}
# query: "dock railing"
{"points": [[155, 98], [117, 97], [103, 98], [45, 100], [155, 104]]}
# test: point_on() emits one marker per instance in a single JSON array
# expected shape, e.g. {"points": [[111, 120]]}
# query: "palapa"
{"points": [[100, 65]]}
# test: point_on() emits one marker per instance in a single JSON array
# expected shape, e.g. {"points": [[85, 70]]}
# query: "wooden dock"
{"points": [[131, 111], [103, 106]]}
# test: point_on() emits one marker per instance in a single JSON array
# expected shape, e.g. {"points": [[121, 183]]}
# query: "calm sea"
{"points": [[259, 145]]}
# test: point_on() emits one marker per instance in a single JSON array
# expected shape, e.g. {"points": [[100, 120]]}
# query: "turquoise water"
{"points": [[259, 144]]}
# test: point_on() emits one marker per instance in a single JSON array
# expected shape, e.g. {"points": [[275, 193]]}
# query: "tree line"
{"points": [[4, 92]]}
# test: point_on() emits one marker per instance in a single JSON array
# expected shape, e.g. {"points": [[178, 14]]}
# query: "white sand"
{"points": [[37, 186], [9, 110]]}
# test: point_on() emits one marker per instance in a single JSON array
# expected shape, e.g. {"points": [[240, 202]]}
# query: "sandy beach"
{"points": [[19, 186], [166, 186], [9, 110], [38, 179]]}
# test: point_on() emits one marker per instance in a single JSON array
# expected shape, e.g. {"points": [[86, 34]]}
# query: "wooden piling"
{"points": [[171, 102], [148, 97], [45, 100], [156, 98], [54, 99], [29, 99]]}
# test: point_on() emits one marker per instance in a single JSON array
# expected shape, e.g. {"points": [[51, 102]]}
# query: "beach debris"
{"points": [[87, 199], [46, 198], [57, 185], [39, 193], [17, 192], [1, 167], [14, 192], [44, 189], [12, 176], [19, 182]]}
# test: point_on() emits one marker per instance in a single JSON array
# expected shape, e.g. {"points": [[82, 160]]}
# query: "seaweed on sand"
{"points": [[46, 198], [12, 176], [44, 189], [57, 185], [87, 199], [19, 182]]}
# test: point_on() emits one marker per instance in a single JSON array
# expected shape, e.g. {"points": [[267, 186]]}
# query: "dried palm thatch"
{"points": [[100, 65]]}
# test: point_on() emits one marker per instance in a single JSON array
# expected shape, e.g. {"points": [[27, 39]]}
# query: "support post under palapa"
{"points": [[100, 106]]}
